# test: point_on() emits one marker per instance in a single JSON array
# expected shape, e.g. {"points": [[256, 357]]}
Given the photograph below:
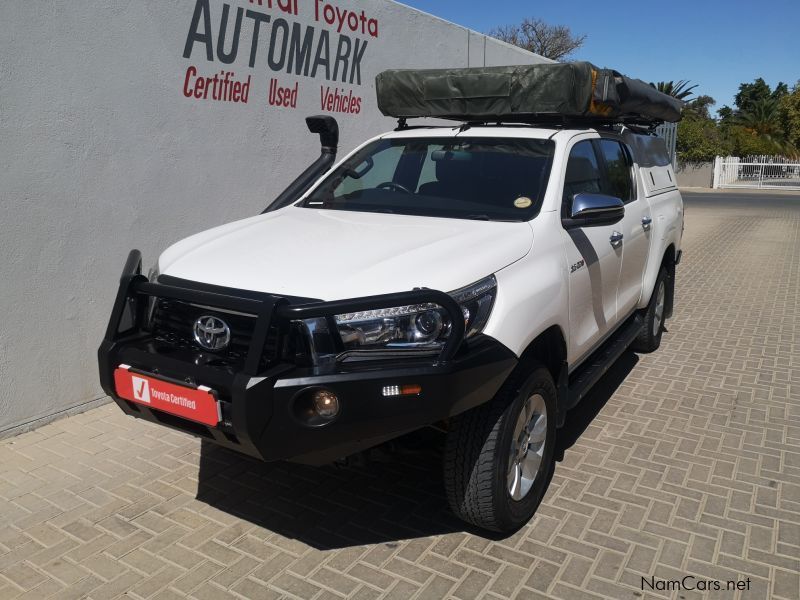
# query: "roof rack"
{"points": [[562, 94], [545, 120]]}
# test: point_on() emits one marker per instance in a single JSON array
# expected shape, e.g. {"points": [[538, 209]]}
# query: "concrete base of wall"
{"points": [[695, 174], [35, 423]]}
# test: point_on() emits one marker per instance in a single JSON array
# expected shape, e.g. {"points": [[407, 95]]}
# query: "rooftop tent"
{"points": [[577, 90]]}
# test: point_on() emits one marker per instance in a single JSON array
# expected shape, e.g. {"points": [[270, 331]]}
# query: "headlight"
{"points": [[416, 327]]}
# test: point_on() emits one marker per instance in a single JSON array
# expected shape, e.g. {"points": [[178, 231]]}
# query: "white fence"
{"points": [[669, 131], [760, 172]]}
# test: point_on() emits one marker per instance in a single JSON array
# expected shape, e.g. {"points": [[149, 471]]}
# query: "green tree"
{"points": [[763, 121], [744, 142], [762, 117], [680, 90], [757, 124], [789, 111], [752, 97], [757, 92], [725, 114], [700, 140], [699, 108], [750, 93]]}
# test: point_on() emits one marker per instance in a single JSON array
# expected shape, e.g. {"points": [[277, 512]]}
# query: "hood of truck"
{"points": [[332, 255]]}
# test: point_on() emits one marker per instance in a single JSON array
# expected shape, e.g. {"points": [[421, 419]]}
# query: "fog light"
{"points": [[326, 403]]}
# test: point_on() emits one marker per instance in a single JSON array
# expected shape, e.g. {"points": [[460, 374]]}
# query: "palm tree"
{"points": [[762, 118], [677, 90]]}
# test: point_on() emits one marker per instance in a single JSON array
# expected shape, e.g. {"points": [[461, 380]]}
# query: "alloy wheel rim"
{"points": [[527, 447], [659, 316]]}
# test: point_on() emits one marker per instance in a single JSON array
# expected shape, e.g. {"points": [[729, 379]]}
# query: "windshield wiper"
{"points": [[488, 218]]}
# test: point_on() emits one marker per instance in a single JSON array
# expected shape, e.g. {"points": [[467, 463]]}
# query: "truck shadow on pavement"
{"points": [[396, 493]]}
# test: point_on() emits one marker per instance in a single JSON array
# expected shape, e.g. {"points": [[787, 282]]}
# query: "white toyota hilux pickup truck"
{"points": [[478, 277]]}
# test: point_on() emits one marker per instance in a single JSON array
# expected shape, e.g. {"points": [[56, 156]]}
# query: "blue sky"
{"points": [[715, 44]]}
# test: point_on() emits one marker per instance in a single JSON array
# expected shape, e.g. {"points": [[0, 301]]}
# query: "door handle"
{"points": [[616, 239], [646, 222]]}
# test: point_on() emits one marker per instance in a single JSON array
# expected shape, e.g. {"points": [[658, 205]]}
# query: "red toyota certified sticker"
{"points": [[198, 404]]}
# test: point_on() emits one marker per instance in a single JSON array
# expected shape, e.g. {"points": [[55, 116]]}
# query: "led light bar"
{"points": [[409, 389], [397, 311]]}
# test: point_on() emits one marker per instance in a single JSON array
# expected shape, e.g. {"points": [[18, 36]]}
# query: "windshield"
{"points": [[497, 179]]}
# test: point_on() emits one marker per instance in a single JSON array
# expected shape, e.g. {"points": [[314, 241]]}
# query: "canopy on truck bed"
{"points": [[529, 93]]}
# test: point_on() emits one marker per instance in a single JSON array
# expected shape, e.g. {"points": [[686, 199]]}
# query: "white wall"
{"points": [[695, 174], [101, 152]]}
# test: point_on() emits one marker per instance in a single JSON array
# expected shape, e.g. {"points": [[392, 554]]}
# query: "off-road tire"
{"points": [[650, 337], [476, 458]]}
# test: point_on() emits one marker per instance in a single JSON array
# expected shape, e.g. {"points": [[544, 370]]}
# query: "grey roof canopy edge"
{"points": [[577, 90]]}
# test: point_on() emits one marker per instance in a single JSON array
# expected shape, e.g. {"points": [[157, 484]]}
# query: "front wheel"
{"points": [[499, 456]]}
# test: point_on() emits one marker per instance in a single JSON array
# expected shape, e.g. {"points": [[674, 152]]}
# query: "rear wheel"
{"points": [[650, 337], [499, 456]]}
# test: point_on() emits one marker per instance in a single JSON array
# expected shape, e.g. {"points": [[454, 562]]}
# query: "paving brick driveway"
{"points": [[686, 461]]}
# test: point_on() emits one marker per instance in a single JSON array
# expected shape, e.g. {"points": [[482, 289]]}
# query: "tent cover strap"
{"points": [[577, 90]]}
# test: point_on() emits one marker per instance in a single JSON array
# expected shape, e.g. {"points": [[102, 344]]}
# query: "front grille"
{"points": [[173, 324]]}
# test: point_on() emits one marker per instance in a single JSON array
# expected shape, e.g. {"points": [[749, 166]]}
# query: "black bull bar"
{"points": [[246, 391], [267, 308]]}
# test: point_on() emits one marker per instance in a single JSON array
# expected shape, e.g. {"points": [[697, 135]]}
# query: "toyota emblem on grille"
{"points": [[212, 333]]}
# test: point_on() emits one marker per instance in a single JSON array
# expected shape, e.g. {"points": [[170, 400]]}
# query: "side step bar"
{"points": [[582, 380]]}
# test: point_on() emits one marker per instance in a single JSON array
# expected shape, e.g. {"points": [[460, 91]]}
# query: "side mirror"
{"points": [[589, 209]]}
